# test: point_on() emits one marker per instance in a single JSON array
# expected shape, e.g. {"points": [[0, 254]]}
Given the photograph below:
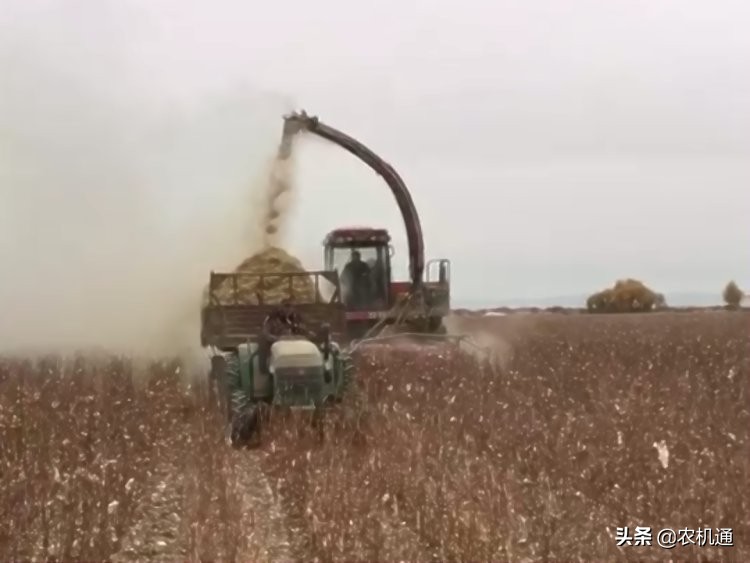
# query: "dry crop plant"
{"points": [[61, 443], [84, 441], [543, 460]]}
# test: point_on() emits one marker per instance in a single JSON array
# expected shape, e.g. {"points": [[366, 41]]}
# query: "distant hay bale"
{"points": [[627, 296], [273, 290]]}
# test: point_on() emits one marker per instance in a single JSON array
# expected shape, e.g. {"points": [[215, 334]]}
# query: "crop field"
{"points": [[582, 424]]}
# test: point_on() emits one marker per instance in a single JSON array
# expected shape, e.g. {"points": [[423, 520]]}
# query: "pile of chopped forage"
{"points": [[274, 289]]}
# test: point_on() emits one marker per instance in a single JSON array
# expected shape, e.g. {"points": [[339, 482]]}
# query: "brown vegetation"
{"points": [[543, 459], [546, 459], [82, 442], [733, 295], [627, 296]]}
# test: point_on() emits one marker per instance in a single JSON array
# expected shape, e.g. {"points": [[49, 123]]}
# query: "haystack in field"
{"points": [[272, 260]]}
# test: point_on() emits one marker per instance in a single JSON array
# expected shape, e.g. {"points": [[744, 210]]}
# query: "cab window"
{"points": [[363, 274]]}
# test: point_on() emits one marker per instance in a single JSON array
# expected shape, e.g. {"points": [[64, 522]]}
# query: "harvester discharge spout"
{"points": [[300, 121], [294, 123]]}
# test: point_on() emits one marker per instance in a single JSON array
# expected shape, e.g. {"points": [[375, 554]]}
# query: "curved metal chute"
{"points": [[300, 121]]}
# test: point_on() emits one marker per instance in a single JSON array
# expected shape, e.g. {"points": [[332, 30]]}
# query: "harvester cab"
{"points": [[362, 258]]}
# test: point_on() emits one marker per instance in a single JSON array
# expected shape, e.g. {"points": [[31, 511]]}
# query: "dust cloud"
{"points": [[491, 339], [114, 210]]}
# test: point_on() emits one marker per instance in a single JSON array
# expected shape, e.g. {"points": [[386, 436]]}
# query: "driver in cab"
{"points": [[356, 277]]}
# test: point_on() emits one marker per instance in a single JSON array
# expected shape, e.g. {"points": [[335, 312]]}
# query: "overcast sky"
{"points": [[551, 147]]}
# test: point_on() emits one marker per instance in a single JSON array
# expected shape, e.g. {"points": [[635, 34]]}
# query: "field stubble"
{"points": [[544, 458], [541, 457], [102, 459]]}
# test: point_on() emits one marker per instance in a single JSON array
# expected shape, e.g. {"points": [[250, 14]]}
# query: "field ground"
{"points": [[533, 441]]}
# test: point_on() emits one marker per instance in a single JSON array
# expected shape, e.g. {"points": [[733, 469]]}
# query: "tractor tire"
{"points": [[245, 428], [218, 391], [245, 416]]}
